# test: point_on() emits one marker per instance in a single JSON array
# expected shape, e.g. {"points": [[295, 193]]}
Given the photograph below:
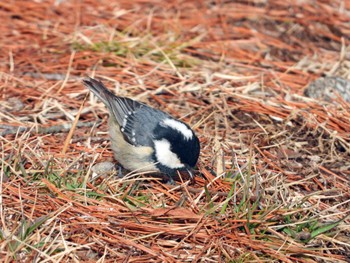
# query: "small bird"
{"points": [[147, 139]]}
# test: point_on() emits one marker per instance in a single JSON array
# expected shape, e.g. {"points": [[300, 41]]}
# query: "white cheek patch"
{"points": [[165, 156], [179, 126]]}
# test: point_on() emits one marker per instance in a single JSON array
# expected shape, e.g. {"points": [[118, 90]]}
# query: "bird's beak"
{"points": [[189, 170]]}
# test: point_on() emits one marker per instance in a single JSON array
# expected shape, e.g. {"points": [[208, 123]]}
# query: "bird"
{"points": [[147, 139]]}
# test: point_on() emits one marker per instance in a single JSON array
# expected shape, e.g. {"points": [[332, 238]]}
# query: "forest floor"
{"points": [[273, 177]]}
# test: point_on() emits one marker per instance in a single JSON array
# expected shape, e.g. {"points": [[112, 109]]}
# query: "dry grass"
{"points": [[273, 176]]}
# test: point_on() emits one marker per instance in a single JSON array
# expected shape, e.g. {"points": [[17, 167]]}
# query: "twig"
{"points": [[42, 130], [74, 125]]}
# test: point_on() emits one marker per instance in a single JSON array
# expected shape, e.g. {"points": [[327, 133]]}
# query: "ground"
{"points": [[272, 181]]}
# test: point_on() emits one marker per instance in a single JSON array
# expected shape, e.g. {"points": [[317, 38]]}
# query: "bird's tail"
{"points": [[99, 90], [119, 107]]}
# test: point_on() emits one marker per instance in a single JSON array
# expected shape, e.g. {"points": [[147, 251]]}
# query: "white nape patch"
{"points": [[179, 126], [165, 156]]}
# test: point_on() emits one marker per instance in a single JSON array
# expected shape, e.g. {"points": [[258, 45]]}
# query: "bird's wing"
{"points": [[136, 120]]}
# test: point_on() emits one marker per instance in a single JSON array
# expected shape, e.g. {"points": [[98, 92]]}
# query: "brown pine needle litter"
{"points": [[273, 177]]}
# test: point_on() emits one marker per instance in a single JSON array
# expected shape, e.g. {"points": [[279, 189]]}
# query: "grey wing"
{"points": [[120, 107], [139, 126], [136, 120], [123, 109]]}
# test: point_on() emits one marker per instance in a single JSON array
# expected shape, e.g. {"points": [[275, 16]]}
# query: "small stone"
{"points": [[104, 168], [328, 89]]}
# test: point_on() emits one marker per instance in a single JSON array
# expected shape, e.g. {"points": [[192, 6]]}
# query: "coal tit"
{"points": [[144, 138]]}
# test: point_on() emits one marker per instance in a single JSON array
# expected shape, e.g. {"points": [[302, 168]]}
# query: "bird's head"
{"points": [[176, 147]]}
